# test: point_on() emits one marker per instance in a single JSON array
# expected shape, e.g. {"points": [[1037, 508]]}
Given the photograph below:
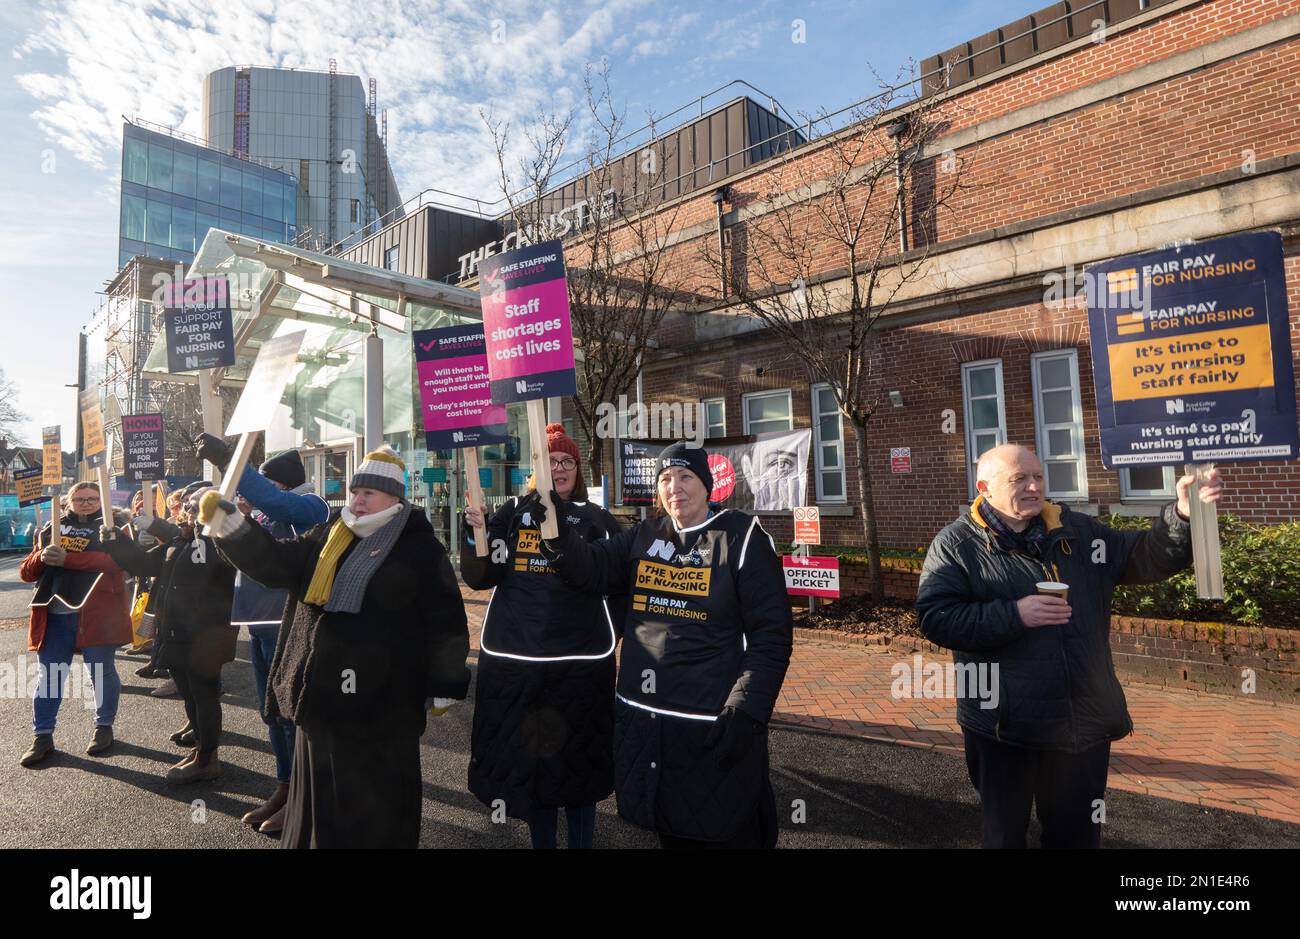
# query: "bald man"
{"points": [[1039, 718]]}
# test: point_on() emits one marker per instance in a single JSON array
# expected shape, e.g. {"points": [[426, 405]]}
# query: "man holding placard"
{"points": [[1020, 589]]}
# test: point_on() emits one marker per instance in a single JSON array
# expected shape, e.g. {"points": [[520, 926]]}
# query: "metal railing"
{"points": [[200, 142]]}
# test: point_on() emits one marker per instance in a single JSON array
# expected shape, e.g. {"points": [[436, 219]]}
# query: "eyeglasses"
{"points": [[565, 464], [84, 500]]}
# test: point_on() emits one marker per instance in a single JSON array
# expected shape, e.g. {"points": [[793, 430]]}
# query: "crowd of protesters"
{"points": [[358, 633]]}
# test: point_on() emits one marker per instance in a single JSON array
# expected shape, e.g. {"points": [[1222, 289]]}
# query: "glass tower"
{"points": [[173, 191]]}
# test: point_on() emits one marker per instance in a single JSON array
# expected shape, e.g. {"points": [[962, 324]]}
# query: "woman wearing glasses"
{"points": [[80, 605], [543, 734]]}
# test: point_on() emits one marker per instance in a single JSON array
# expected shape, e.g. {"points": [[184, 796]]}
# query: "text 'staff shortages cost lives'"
{"points": [[525, 302], [142, 447], [455, 393], [1191, 354], [198, 324]]}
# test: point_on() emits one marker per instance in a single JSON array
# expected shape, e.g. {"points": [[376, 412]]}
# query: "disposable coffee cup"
{"points": [[1053, 589]]}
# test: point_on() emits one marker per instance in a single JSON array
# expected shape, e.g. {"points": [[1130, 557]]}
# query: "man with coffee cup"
{"points": [[1022, 587]]}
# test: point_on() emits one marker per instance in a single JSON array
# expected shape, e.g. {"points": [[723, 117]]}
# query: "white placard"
{"points": [[266, 381]]}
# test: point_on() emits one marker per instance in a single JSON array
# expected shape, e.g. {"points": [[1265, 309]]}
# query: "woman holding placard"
{"points": [[80, 605], [708, 640], [543, 733]]}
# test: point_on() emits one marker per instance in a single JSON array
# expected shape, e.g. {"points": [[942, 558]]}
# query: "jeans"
{"points": [[1065, 786], [542, 825], [261, 646], [55, 659]]}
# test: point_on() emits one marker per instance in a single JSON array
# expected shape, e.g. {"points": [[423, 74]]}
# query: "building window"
{"points": [[986, 419], [1140, 483], [828, 443], [1058, 420], [766, 411], [391, 256], [715, 417]]}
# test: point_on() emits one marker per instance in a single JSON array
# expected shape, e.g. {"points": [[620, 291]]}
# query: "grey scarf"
{"points": [[367, 555]]}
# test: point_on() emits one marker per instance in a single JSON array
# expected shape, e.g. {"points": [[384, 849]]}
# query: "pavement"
{"points": [[845, 775]]}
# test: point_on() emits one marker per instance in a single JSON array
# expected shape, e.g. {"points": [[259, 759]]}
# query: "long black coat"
{"points": [[708, 627], [190, 599], [543, 732], [1056, 685], [365, 674]]}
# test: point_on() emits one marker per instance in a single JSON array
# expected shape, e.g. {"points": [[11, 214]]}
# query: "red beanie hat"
{"points": [[557, 441]]}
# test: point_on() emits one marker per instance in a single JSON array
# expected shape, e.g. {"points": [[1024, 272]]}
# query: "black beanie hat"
{"points": [[285, 469], [692, 458]]}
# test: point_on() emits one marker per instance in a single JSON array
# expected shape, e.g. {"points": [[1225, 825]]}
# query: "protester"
{"points": [[279, 499], [194, 633], [543, 733], [378, 634], [156, 531], [79, 605], [1059, 706], [707, 643]]}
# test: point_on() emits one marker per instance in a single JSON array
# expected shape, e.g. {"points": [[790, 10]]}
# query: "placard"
{"points": [[27, 486], [811, 576], [198, 325], [92, 426], [638, 469], [455, 388], [51, 456], [529, 335], [1191, 354], [142, 447], [900, 459], [276, 360]]}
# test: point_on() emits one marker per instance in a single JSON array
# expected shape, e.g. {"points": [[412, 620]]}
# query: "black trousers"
{"points": [[1066, 788], [202, 696]]}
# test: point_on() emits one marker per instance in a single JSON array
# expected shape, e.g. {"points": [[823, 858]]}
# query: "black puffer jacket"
{"points": [[1056, 685], [543, 731], [708, 627], [190, 599], [408, 643]]}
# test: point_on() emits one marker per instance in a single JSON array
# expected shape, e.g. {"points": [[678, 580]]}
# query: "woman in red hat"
{"points": [[543, 734]]}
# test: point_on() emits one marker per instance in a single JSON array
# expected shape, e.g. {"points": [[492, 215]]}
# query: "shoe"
{"points": [[100, 742], [167, 689], [145, 649], [42, 746], [192, 772], [275, 824], [146, 670], [185, 737], [270, 807]]}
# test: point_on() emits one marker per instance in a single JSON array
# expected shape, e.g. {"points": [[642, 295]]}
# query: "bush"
{"points": [[1261, 578]]}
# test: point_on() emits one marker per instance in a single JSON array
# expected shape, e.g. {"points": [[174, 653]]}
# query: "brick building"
{"points": [[1177, 121]]}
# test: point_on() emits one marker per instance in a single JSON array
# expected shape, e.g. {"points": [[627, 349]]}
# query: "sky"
{"points": [[76, 67]]}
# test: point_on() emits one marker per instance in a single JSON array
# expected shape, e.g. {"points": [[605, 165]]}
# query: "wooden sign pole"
{"points": [[56, 529], [474, 496], [105, 489], [211, 409], [542, 464], [146, 493], [1205, 538], [243, 450]]}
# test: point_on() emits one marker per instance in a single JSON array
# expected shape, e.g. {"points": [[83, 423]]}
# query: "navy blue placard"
{"points": [[199, 326], [1191, 354]]}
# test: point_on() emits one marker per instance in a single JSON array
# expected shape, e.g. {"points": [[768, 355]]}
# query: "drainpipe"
{"points": [[719, 197], [895, 130]]}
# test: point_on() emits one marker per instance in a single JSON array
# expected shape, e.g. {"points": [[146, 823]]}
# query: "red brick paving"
{"points": [[1241, 754]]}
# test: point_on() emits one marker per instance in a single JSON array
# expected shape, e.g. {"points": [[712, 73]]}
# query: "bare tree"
{"points": [[820, 261], [10, 414], [620, 284]]}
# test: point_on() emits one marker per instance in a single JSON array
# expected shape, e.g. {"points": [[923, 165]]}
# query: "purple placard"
{"points": [[142, 447], [529, 334], [451, 364]]}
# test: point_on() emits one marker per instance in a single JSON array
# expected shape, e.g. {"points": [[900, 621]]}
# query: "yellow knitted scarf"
{"points": [[327, 565]]}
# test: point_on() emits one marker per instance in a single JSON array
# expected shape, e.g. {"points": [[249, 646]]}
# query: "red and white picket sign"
{"points": [[811, 576]]}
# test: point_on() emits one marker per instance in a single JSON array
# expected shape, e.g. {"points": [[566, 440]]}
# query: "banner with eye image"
{"points": [[758, 473]]}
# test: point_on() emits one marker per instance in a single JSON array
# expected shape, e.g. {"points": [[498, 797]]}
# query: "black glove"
{"points": [[107, 534], [731, 737], [213, 449]]}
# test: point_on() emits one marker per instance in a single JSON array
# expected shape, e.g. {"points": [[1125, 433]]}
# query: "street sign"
{"points": [[807, 525]]}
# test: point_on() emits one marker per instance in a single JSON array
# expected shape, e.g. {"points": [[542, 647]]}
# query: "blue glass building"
{"points": [[174, 190]]}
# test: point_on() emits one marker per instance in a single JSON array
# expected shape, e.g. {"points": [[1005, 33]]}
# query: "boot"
{"points": [[100, 742], [42, 746], [275, 824], [185, 737], [192, 770], [268, 808]]}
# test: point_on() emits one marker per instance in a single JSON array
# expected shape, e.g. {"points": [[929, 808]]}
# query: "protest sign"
{"points": [[198, 325], [51, 457], [27, 486], [142, 447], [92, 426], [811, 576]]}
